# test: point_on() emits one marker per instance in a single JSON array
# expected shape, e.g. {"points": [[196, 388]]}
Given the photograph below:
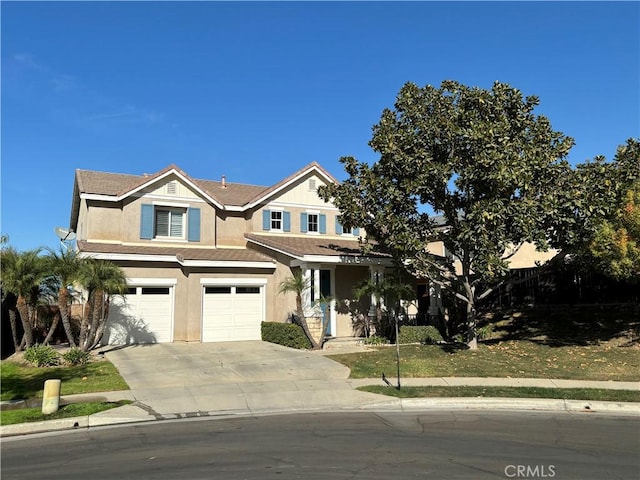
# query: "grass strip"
{"points": [[21, 381], [26, 415], [594, 394], [516, 359]]}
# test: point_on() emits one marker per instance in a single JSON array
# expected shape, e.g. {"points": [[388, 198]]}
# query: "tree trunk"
{"points": [[23, 309], [303, 323], [52, 329], [87, 313], [472, 334], [14, 328], [65, 314]]}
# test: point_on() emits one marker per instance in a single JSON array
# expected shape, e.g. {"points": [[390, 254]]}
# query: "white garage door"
{"points": [[143, 315], [232, 312]]}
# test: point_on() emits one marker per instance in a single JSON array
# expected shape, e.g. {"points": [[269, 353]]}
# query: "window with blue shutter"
{"points": [[356, 232], [286, 221], [266, 220], [304, 219], [338, 227], [323, 223], [146, 221], [193, 220]]}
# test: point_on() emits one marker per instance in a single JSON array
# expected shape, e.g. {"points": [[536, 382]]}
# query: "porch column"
{"points": [[306, 294], [333, 315]]}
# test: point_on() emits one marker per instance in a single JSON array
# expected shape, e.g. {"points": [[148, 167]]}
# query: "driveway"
{"points": [[191, 379]]}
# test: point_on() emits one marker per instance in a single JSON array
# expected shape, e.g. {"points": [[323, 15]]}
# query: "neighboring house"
{"points": [[204, 259]]}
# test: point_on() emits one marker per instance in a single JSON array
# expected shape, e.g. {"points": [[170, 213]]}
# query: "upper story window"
{"points": [[276, 220], [341, 230], [169, 222], [312, 222]]}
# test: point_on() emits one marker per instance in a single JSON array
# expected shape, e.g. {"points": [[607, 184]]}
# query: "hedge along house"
{"points": [[204, 259]]}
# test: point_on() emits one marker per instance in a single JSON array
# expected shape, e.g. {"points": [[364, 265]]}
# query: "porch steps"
{"points": [[343, 344]]}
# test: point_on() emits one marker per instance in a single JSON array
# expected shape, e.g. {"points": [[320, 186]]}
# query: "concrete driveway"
{"points": [[185, 380]]}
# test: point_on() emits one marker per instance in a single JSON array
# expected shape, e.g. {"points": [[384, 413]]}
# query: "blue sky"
{"points": [[255, 91]]}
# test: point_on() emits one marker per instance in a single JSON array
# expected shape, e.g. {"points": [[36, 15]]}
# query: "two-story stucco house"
{"points": [[204, 259]]}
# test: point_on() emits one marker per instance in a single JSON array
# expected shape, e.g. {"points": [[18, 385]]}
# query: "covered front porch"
{"points": [[331, 269]]}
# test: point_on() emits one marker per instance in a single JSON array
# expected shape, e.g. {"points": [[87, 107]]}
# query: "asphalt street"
{"points": [[365, 445]]}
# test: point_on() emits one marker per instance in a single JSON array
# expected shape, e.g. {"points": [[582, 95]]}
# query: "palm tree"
{"points": [[22, 273], [66, 266], [390, 290], [297, 284], [102, 280]]}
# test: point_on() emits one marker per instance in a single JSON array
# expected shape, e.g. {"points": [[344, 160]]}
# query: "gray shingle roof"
{"points": [[181, 254], [298, 246]]}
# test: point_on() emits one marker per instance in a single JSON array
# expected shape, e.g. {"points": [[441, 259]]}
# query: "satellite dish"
{"points": [[65, 235]]}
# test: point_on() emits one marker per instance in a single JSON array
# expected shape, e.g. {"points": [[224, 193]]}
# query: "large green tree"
{"points": [[607, 214], [474, 168]]}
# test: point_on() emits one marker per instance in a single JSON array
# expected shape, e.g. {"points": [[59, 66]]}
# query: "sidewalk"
{"points": [[306, 400]]}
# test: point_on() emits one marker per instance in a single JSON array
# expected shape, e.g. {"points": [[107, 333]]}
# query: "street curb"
{"points": [[130, 414], [541, 404]]}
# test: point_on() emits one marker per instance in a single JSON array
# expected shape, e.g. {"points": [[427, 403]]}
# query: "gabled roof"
{"points": [[228, 196], [117, 187], [291, 179]]}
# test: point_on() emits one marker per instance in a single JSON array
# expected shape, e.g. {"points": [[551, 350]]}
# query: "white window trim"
{"points": [[170, 207], [276, 209], [313, 212], [230, 282]]}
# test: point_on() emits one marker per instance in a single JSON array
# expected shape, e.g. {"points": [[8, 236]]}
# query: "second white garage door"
{"points": [[232, 312]]}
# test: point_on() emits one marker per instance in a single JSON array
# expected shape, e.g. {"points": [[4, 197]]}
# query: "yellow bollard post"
{"points": [[51, 396]]}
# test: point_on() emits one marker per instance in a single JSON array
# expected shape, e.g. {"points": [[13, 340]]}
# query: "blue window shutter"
{"points": [[286, 221], [356, 232], [323, 223], [339, 230], [304, 222], [266, 219], [146, 221], [193, 219]]}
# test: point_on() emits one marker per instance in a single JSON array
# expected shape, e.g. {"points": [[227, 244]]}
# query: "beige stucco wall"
{"points": [[230, 229], [102, 221], [527, 256]]}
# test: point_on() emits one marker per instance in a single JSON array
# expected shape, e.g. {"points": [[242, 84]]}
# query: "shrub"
{"points": [[419, 334], [41, 355], [287, 334], [376, 340], [76, 356]]}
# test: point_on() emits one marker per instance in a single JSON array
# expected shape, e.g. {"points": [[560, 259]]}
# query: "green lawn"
{"points": [[24, 415], [503, 359], [20, 381], [598, 394]]}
